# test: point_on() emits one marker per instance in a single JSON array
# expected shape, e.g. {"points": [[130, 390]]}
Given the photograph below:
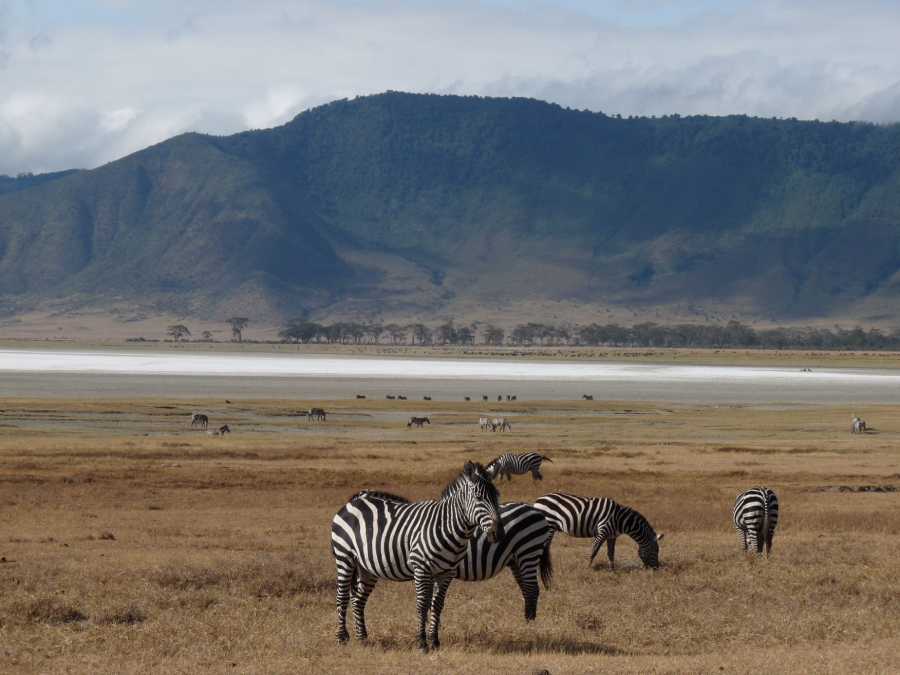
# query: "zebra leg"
{"points": [[346, 570], [364, 587], [611, 552], [536, 474], [424, 591], [526, 579], [437, 607]]}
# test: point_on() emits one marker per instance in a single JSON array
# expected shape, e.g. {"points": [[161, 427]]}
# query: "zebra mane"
{"points": [[378, 494], [637, 518], [476, 472]]}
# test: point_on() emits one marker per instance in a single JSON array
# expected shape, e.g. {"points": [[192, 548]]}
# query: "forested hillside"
{"points": [[429, 205]]}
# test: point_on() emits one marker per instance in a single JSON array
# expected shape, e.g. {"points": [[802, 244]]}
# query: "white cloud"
{"points": [[85, 91]]}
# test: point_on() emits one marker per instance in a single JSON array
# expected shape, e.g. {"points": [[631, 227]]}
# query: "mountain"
{"points": [[402, 205]]}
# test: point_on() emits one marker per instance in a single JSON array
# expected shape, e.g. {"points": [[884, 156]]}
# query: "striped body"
{"points": [[755, 517], [604, 520], [381, 536], [524, 548], [511, 464]]}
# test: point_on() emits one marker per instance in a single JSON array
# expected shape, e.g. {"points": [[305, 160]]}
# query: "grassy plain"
{"points": [[131, 544]]}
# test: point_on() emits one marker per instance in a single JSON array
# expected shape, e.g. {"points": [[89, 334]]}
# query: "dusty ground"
{"points": [[131, 544]]}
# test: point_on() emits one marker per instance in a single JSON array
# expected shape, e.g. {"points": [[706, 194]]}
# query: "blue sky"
{"points": [[83, 82]]}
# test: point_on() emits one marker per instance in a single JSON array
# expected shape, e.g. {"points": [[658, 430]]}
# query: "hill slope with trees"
{"points": [[431, 205]]}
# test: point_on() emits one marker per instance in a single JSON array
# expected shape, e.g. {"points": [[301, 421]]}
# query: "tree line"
{"points": [[648, 334]]}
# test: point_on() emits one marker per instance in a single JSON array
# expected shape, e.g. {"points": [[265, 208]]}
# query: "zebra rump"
{"points": [[524, 548], [755, 517]]}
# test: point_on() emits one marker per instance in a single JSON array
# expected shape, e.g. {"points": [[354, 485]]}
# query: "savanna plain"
{"points": [[132, 543]]}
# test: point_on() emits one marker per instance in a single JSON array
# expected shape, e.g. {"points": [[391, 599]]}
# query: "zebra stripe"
{"points": [[755, 517], [524, 548], [377, 535], [604, 520], [511, 463]]}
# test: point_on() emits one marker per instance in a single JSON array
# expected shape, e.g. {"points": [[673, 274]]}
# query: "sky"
{"points": [[83, 82]]}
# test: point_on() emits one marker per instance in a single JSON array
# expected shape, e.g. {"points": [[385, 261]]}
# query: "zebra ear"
{"points": [[659, 536]]}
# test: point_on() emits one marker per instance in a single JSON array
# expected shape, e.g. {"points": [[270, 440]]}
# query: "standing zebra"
{"points": [[378, 536], [755, 516], [199, 420], [604, 520], [524, 548], [511, 463]]}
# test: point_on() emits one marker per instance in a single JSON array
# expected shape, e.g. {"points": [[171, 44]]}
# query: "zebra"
{"points": [[199, 420], [418, 421], [755, 517], [360, 397], [426, 398], [587, 397], [485, 424], [511, 463], [221, 431], [379, 536], [604, 520], [316, 415], [500, 424], [858, 426]]}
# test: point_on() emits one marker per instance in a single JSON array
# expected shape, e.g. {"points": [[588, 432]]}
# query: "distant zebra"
{"points": [[518, 464], [587, 397], [468, 398], [484, 397], [199, 420], [755, 517], [524, 548], [360, 396], [604, 520], [390, 397], [426, 398], [401, 397], [485, 424], [500, 424], [221, 431], [418, 421], [316, 415], [858, 426], [378, 536]]}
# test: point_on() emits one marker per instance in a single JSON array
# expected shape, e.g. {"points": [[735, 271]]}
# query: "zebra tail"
{"points": [[546, 459], [764, 535], [546, 565]]}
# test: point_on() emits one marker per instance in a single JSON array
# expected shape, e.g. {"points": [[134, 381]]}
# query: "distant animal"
{"points": [[485, 424], [316, 415], [360, 396], [418, 421], [806, 370], [587, 397], [858, 426], [401, 397], [755, 517], [199, 420], [524, 548], [508, 397], [484, 397], [227, 401], [390, 397], [468, 398], [426, 398], [514, 397], [221, 431], [499, 397], [604, 520], [422, 541], [510, 464], [500, 424]]}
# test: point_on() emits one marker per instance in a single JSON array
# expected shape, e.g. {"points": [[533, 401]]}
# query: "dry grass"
{"points": [[130, 544]]}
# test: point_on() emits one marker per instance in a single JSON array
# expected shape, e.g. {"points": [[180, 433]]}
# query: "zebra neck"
{"points": [[452, 513]]}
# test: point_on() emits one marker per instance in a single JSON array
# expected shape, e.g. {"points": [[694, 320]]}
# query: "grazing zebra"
{"points": [[221, 431], [316, 415], [587, 397], [390, 397], [858, 426], [401, 397], [199, 420], [524, 548], [377, 536], [418, 421], [500, 424], [426, 398], [755, 516], [485, 424], [360, 396], [511, 463], [604, 520]]}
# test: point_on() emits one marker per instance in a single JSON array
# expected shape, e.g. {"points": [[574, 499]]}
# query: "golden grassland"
{"points": [[791, 358], [131, 544]]}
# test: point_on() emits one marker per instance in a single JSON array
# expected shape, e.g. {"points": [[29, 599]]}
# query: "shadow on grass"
{"points": [[497, 643]]}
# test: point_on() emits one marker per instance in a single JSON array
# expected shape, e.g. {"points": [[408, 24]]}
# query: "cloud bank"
{"points": [[97, 80]]}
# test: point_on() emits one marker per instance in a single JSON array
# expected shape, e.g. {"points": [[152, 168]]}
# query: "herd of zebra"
{"points": [[468, 534]]}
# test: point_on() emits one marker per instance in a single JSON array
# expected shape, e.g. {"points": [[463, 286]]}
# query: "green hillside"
{"points": [[430, 204]]}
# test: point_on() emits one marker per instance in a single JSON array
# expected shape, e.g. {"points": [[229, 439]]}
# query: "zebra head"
{"points": [[648, 551], [479, 498]]}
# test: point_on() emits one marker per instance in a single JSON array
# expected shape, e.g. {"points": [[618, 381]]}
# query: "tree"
{"points": [[494, 335], [397, 333], [178, 332], [420, 333], [300, 330], [238, 323]]}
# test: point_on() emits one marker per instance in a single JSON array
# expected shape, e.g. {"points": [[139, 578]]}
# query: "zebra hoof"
{"points": [[343, 638], [435, 644], [423, 646]]}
